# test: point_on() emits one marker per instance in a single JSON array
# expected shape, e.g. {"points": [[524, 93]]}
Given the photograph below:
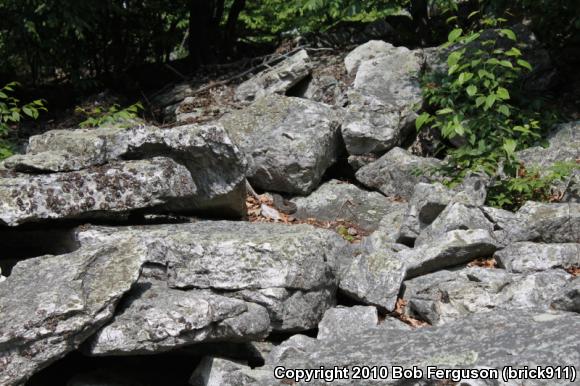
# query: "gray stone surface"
{"points": [[395, 173], [529, 257], [508, 228], [49, 305], [106, 191], [569, 297], [276, 80], [157, 318], [456, 216], [223, 372], [374, 278], [343, 321], [519, 338], [289, 142], [364, 52], [445, 296], [551, 223], [338, 200], [292, 271], [388, 230], [454, 248], [216, 165]]}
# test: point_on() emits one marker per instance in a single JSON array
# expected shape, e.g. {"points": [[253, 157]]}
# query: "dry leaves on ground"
{"points": [[489, 262], [399, 313]]}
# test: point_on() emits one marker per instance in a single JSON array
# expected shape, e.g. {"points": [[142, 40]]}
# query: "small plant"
{"points": [[114, 115], [12, 113]]}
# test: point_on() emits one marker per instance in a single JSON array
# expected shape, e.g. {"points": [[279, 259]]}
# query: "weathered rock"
{"points": [[290, 270], [216, 165], [514, 339], [276, 80], [456, 216], [51, 304], [364, 52], [529, 257], [158, 318], [551, 223], [395, 173], [337, 200], [374, 278], [385, 97], [388, 229], [119, 188], [454, 248], [343, 321], [392, 323], [289, 142], [358, 161], [508, 228], [444, 296], [569, 298], [223, 372], [325, 89]]}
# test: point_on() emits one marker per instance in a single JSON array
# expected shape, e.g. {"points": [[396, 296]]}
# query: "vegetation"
{"points": [[113, 116]]}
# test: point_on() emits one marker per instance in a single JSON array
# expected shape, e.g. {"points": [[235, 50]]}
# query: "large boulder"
{"points": [[292, 271], [444, 296], [530, 257], [396, 173], [338, 200], [276, 80], [49, 305], [216, 166], [158, 318], [551, 223], [289, 142], [384, 99], [342, 321]]}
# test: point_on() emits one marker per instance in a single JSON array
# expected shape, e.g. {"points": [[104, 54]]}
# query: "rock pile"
{"points": [[163, 262]]}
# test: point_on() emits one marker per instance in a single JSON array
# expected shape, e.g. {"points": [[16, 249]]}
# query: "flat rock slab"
{"points": [[276, 80], [364, 52], [289, 142], [337, 200], [157, 319], [530, 257], [51, 304], [445, 296], [215, 164], [454, 248], [491, 340], [103, 191], [396, 173], [551, 223], [292, 271], [342, 321]]}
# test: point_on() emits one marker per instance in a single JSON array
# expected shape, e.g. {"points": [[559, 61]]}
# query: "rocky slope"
{"points": [[155, 256]]}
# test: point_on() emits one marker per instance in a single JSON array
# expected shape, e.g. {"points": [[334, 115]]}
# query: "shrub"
{"points": [[113, 116]]}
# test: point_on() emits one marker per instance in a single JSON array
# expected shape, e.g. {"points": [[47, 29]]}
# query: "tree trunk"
{"points": [[230, 32], [200, 17], [420, 14]]}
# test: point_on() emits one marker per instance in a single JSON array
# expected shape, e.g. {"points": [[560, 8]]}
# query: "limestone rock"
{"points": [[551, 223], [276, 80], [569, 297], [158, 318], [289, 142], [49, 305], [454, 248], [342, 321], [337, 200], [223, 372], [388, 229], [444, 296], [529, 257], [395, 173], [369, 50]]}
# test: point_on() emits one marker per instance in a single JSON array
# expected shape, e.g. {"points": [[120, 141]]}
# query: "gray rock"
{"points": [[325, 89], [364, 52], [289, 142], [223, 372], [518, 338], [395, 173], [455, 217], [343, 321], [569, 298], [358, 161], [388, 229], [337, 200], [551, 223], [375, 279], [216, 165], [49, 305], [454, 248], [373, 132], [444, 296], [158, 318], [529, 257], [508, 228], [391, 323], [276, 80], [113, 190], [290, 270]]}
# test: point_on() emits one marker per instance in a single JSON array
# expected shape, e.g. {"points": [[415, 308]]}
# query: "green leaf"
{"points": [[454, 35], [421, 120], [514, 52], [454, 57], [471, 90], [524, 64], [464, 77], [508, 33], [444, 111], [506, 63], [489, 101], [503, 93], [509, 146], [504, 110], [479, 101]]}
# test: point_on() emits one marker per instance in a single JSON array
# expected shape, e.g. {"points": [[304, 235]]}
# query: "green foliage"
{"points": [[11, 114], [478, 106], [113, 116]]}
